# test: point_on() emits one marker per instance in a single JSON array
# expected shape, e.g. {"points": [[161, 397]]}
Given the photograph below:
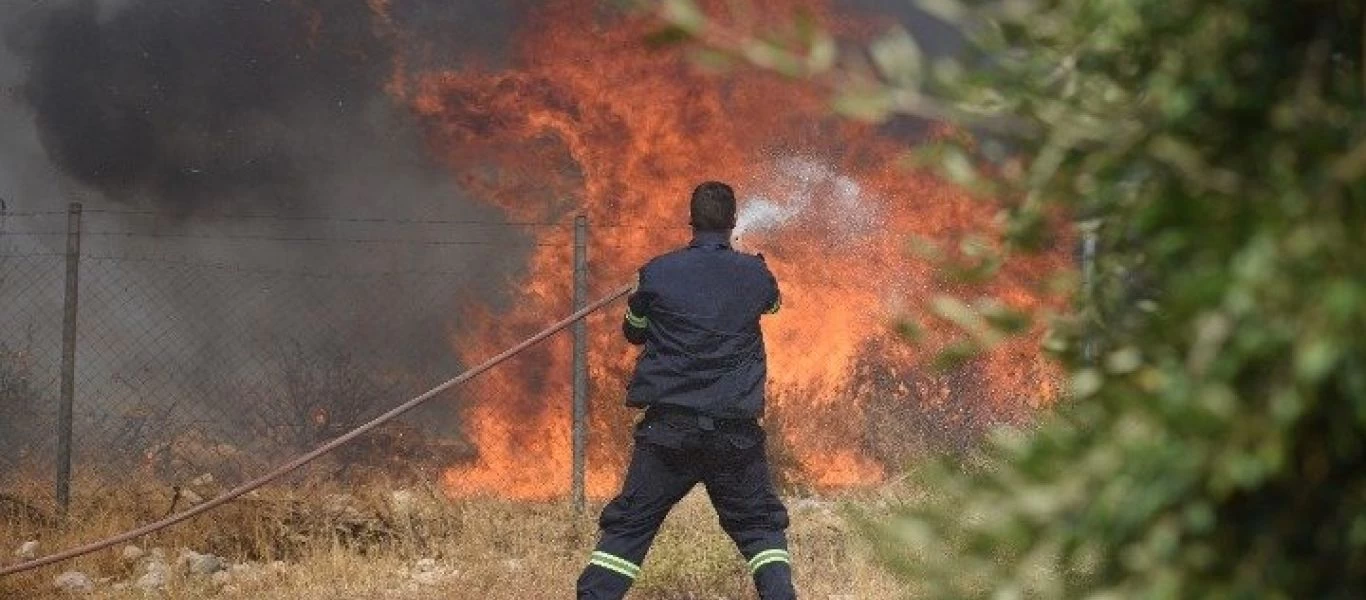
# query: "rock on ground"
{"points": [[155, 577], [74, 581], [199, 564], [132, 553]]}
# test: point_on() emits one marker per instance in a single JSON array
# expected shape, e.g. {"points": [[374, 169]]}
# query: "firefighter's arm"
{"points": [[637, 320], [775, 298]]}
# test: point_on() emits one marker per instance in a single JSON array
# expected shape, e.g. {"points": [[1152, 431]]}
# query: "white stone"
{"points": [[151, 580], [73, 582], [27, 550], [132, 553]]}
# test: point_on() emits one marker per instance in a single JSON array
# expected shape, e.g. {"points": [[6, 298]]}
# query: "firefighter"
{"points": [[700, 380]]}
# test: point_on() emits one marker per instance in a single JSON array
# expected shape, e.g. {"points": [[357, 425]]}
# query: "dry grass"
{"points": [[366, 543]]}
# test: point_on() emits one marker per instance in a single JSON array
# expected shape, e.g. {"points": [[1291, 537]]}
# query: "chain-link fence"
{"points": [[224, 349], [224, 346]]}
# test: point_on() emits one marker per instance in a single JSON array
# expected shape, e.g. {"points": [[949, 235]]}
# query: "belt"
{"points": [[704, 421]]}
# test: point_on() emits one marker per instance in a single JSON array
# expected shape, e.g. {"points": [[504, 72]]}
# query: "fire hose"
{"points": [[335, 443]]}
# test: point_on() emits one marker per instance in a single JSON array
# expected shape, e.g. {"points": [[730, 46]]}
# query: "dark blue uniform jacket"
{"points": [[697, 313]]}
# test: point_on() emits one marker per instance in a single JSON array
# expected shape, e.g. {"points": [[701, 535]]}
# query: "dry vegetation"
{"points": [[382, 541]]}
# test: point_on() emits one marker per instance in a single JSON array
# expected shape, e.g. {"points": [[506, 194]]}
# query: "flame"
{"points": [[589, 121]]}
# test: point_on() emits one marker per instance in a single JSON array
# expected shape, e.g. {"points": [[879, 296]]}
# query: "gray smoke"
{"points": [[190, 111], [193, 109]]}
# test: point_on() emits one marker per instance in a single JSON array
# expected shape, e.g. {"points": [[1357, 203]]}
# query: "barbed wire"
{"points": [[238, 268], [286, 238], [32, 255], [32, 213], [377, 220], [321, 218], [323, 239]]}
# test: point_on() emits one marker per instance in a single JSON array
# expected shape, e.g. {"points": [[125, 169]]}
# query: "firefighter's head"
{"points": [[713, 207]]}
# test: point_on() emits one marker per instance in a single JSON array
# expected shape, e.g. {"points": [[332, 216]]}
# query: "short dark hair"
{"points": [[713, 207]]}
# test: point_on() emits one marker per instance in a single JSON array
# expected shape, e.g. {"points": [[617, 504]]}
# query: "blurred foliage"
{"points": [[1212, 444]]}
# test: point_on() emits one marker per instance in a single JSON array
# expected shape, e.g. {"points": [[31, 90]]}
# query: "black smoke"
{"points": [[188, 104]]}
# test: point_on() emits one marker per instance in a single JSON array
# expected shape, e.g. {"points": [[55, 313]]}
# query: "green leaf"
{"points": [[955, 355], [821, 53], [956, 167], [909, 330], [1086, 383], [683, 14], [1316, 358], [898, 58], [667, 36], [1124, 361], [1005, 319], [866, 104], [770, 55]]}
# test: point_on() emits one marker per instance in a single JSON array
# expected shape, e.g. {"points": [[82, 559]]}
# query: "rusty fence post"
{"points": [[580, 408], [64, 412]]}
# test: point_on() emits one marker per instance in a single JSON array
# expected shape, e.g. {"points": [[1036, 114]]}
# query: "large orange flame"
{"points": [[589, 121]]}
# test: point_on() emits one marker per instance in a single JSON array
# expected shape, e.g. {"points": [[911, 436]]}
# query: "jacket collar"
{"points": [[712, 239]]}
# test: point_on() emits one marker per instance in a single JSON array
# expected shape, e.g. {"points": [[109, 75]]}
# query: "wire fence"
{"points": [[214, 351]]}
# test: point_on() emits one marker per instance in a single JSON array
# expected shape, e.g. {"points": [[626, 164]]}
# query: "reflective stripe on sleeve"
{"points": [[767, 557], [615, 564], [636, 321]]}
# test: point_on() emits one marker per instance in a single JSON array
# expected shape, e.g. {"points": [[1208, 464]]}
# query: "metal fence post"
{"points": [[580, 417], [73, 266], [1089, 238]]}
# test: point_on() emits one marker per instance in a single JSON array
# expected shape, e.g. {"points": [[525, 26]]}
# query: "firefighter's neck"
{"points": [[711, 237]]}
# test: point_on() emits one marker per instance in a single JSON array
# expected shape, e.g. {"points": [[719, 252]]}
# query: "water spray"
{"points": [[805, 193]]}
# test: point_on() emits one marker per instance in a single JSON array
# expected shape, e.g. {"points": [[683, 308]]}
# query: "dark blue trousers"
{"points": [[674, 452]]}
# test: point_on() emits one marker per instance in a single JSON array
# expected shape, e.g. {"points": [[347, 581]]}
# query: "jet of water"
{"points": [[798, 192]]}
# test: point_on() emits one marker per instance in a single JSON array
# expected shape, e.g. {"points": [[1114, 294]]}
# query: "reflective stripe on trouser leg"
{"points": [[636, 321], [767, 557], [615, 564]]}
